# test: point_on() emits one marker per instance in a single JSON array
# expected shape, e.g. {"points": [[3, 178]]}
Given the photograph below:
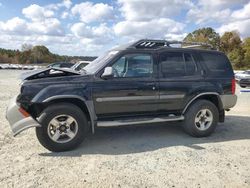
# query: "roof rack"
{"points": [[154, 44], [147, 43]]}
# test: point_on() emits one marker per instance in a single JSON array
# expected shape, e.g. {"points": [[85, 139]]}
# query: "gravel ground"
{"points": [[148, 156]]}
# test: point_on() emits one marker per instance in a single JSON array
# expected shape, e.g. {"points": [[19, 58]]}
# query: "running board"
{"points": [[138, 121]]}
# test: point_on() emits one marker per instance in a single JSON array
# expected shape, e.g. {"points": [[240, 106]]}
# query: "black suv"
{"points": [[145, 82]]}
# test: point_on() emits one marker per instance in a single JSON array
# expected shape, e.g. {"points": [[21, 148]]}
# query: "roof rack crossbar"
{"points": [[191, 43], [193, 46], [148, 44], [152, 44]]}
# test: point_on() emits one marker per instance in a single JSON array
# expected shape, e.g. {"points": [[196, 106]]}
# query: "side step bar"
{"points": [[138, 121]]}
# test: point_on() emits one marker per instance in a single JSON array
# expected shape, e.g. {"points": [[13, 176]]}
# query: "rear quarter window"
{"points": [[217, 64]]}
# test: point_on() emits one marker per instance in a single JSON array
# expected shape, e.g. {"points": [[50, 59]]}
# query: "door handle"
{"points": [[203, 72], [152, 85]]}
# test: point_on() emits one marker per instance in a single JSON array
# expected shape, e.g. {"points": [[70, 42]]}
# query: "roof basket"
{"points": [[154, 44]]}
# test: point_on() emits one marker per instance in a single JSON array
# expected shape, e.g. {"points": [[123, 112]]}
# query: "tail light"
{"points": [[233, 87]]}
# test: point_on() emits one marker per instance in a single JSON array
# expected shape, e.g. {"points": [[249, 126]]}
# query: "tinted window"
{"points": [[216, 63], [134, 66], [172, 64], [175, 64], [191, 68]]}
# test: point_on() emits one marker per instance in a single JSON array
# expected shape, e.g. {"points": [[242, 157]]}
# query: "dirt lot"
{"points": [[145, 156]]}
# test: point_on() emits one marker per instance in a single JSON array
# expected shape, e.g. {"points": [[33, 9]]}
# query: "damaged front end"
{"points": [[17, 113], [48, 72], [18, 118]]}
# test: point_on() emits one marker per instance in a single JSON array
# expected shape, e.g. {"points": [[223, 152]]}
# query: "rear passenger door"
{"points": [[179, 76]]}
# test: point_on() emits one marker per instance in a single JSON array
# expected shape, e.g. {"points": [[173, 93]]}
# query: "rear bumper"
{"points": [[18, 122], [228, 101]]}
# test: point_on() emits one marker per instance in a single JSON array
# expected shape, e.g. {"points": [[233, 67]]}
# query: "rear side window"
{"points": [[216, 63], [175, 64], [172, 64]]}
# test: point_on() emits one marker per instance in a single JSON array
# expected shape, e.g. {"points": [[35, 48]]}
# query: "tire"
{"points": [[198, 125], [243, 86], [62, 119]]}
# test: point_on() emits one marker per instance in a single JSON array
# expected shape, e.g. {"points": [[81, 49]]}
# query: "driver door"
{"points": [[132, 91]]}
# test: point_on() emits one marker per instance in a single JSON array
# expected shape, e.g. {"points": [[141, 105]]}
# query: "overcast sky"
{"points": [[74, 27]]}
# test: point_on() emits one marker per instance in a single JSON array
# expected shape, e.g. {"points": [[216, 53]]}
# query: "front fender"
{"points": [[88, 103], [78, 90], [68, 91]]}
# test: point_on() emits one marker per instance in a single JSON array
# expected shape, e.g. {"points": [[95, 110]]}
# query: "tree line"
{"points": [[237, 49], [36, 55]]}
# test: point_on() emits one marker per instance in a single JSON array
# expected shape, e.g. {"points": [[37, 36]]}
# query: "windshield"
{"points": [[98, 63]]}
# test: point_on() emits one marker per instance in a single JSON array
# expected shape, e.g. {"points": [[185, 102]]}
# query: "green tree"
{"points": [[230, 41], [246, 47], [40, 53], [25, 57], [231, 45], [236, 57], [207, 35]]}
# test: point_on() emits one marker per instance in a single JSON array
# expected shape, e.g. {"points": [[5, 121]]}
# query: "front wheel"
{"points": [[63, 127], [201, 118]]}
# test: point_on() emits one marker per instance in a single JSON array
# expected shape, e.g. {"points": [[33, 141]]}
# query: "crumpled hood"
{"points": [[60, 79], [47, 73]]}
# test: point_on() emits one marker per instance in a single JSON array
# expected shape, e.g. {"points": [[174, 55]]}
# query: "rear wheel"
{"points": [[201, 118], [63, 127]]}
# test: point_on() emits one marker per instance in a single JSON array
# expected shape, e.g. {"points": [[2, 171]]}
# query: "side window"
{"points": [[120, 66], [216, 63], [191, 67], [136, 65], [172, 64]]}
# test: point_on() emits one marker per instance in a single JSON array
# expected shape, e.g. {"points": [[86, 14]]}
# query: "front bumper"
{"points": [[18, 122]]}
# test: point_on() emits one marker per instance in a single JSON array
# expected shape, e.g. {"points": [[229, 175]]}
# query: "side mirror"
{"points": [[108, 73]]}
